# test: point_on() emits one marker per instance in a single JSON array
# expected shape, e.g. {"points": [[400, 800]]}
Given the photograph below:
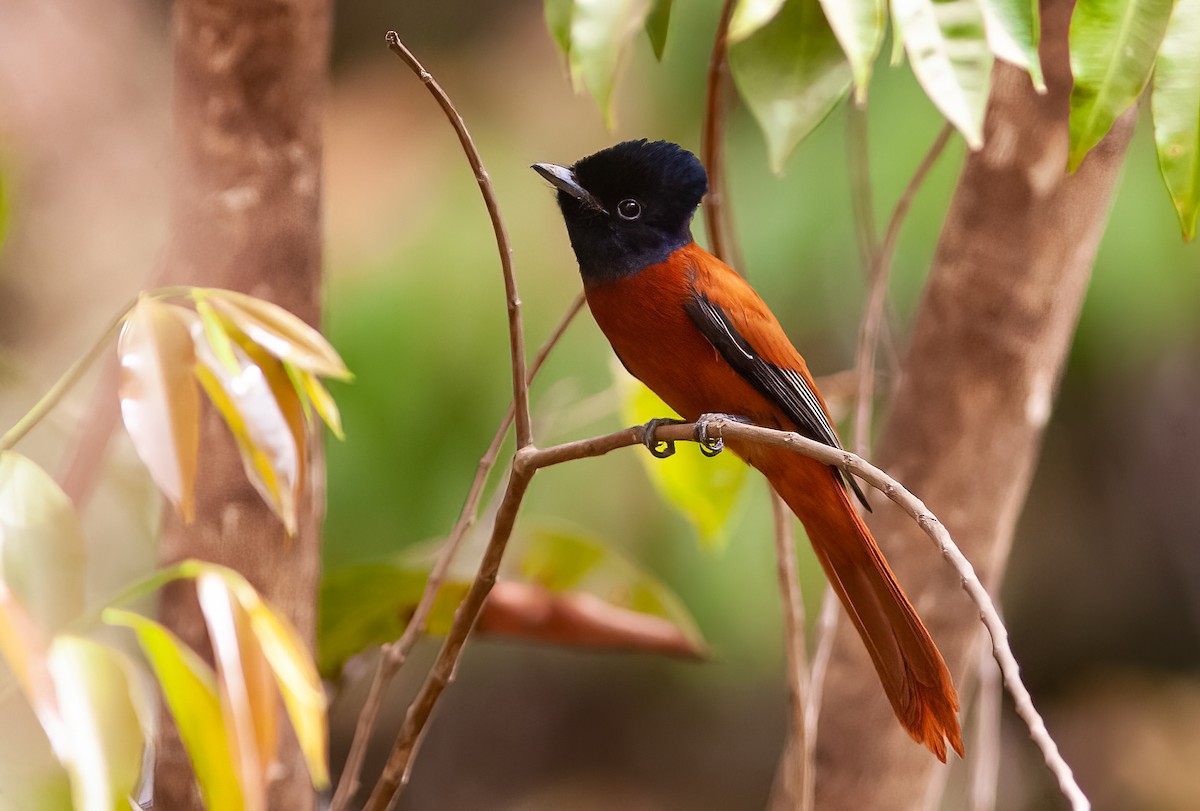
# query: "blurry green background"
{"points": [[1103, 593]]}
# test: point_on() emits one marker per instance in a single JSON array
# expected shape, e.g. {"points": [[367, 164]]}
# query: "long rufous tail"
{"points": [[910, 666]]}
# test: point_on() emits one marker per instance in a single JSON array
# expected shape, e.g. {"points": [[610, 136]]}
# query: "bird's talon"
{"points": [[658, 448]]}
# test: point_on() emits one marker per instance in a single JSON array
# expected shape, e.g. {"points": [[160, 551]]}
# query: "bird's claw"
{"points": [[709, 446], [659, 448]]}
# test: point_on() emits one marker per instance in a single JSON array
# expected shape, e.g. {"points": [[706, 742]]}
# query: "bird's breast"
{"points": [[644, 319]]}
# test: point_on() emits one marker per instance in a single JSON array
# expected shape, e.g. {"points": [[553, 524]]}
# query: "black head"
{"points": [[628, 206]]}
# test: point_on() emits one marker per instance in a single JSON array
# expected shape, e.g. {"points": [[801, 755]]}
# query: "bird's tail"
{"points": [[910, 666]]}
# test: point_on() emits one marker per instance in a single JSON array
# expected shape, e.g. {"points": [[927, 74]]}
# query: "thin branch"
{"points": [[862, 200], [873, 314], [794, 779], [528, 460], [718, 222], [985, 760], [516, 335], [393, 655], [827, 620]]}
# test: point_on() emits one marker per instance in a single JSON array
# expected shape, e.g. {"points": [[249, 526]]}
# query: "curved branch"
{"points": [[516, 335], [718, 222]]}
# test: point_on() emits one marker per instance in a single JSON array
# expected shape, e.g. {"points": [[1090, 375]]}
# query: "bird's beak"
{"points": [[564, 179]]}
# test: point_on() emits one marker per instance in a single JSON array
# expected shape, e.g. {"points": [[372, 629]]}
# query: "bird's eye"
{"points": [[629, 209]]}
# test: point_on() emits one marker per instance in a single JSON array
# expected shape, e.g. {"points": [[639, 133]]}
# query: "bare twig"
{"points": [[516, 334], [861, 198], [985, 759], [794, 778], [528, 460], [877, 288], [718, 223], [393, 655], [827, 620]]}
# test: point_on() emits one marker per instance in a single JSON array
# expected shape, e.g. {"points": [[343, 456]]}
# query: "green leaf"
{"points": [[41, 544], [565, 561], [751, 15], [947, 46], [704, 490], [189, 689], [369, 604], [558, 22], [95, 698], [858, 26], [657, 23], [1012, 34], [601, 31], [791, 73], [1113, 47], [160, 401], [1175, 103]]}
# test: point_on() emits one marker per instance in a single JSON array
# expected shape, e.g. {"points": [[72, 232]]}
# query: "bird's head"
{"points": [[628, 206]]}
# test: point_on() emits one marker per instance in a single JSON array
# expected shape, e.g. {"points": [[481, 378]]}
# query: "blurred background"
{"points": [[1103, 589]]}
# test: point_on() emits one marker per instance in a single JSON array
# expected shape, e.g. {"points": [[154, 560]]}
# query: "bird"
{"points": [[697, 334]]}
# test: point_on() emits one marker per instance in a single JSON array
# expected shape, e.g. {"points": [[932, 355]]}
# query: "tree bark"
{"points": [[249, 84], [990, 340]]}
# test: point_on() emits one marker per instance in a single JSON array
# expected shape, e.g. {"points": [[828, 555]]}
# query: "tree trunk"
{"points": [[990, 339], [249, 83]]}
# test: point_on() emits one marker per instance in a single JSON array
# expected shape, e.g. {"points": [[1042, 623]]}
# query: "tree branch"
{"points": [[718, 223], [794, 777], [529, 460], [393, 655], [516, 335]]}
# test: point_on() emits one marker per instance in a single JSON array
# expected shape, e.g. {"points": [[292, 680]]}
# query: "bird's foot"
{"points": [[711, 446], [660, 448]]}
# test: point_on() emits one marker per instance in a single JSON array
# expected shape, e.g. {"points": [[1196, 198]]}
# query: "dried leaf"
{"points": [[189, 688], [278, 332], [159, 401], [577, 619]]}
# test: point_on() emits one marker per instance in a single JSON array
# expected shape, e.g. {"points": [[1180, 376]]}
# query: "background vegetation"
{"points": [[1101, 590]]}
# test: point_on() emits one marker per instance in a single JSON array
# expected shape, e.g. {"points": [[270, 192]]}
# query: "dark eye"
{"points": [[629, 209]]}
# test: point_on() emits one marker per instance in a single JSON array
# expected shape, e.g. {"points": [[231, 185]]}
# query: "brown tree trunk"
{"points": [[990, 340], [249, 83]]}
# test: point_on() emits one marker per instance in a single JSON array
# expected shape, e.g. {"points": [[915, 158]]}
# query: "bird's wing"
{"points": [[751, 341]]}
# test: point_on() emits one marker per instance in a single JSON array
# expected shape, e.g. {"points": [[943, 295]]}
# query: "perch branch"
{"points": [[529, 460]]}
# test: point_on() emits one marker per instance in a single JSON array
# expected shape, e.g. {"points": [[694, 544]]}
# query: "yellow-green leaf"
{"points": [[263, 412], [749, 16], [568, 561], [279, 332], [558, 22], [658, 21], [947, 45], [704, 490], [292, 666], [369, 604], [160, 404], [601, 32], [791, 72], [313, 395], [1012, 33], [1175, 103], [858, 26], [98, 710], [243, 681], [1113, 47], [189, 689], [41, 544]]}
